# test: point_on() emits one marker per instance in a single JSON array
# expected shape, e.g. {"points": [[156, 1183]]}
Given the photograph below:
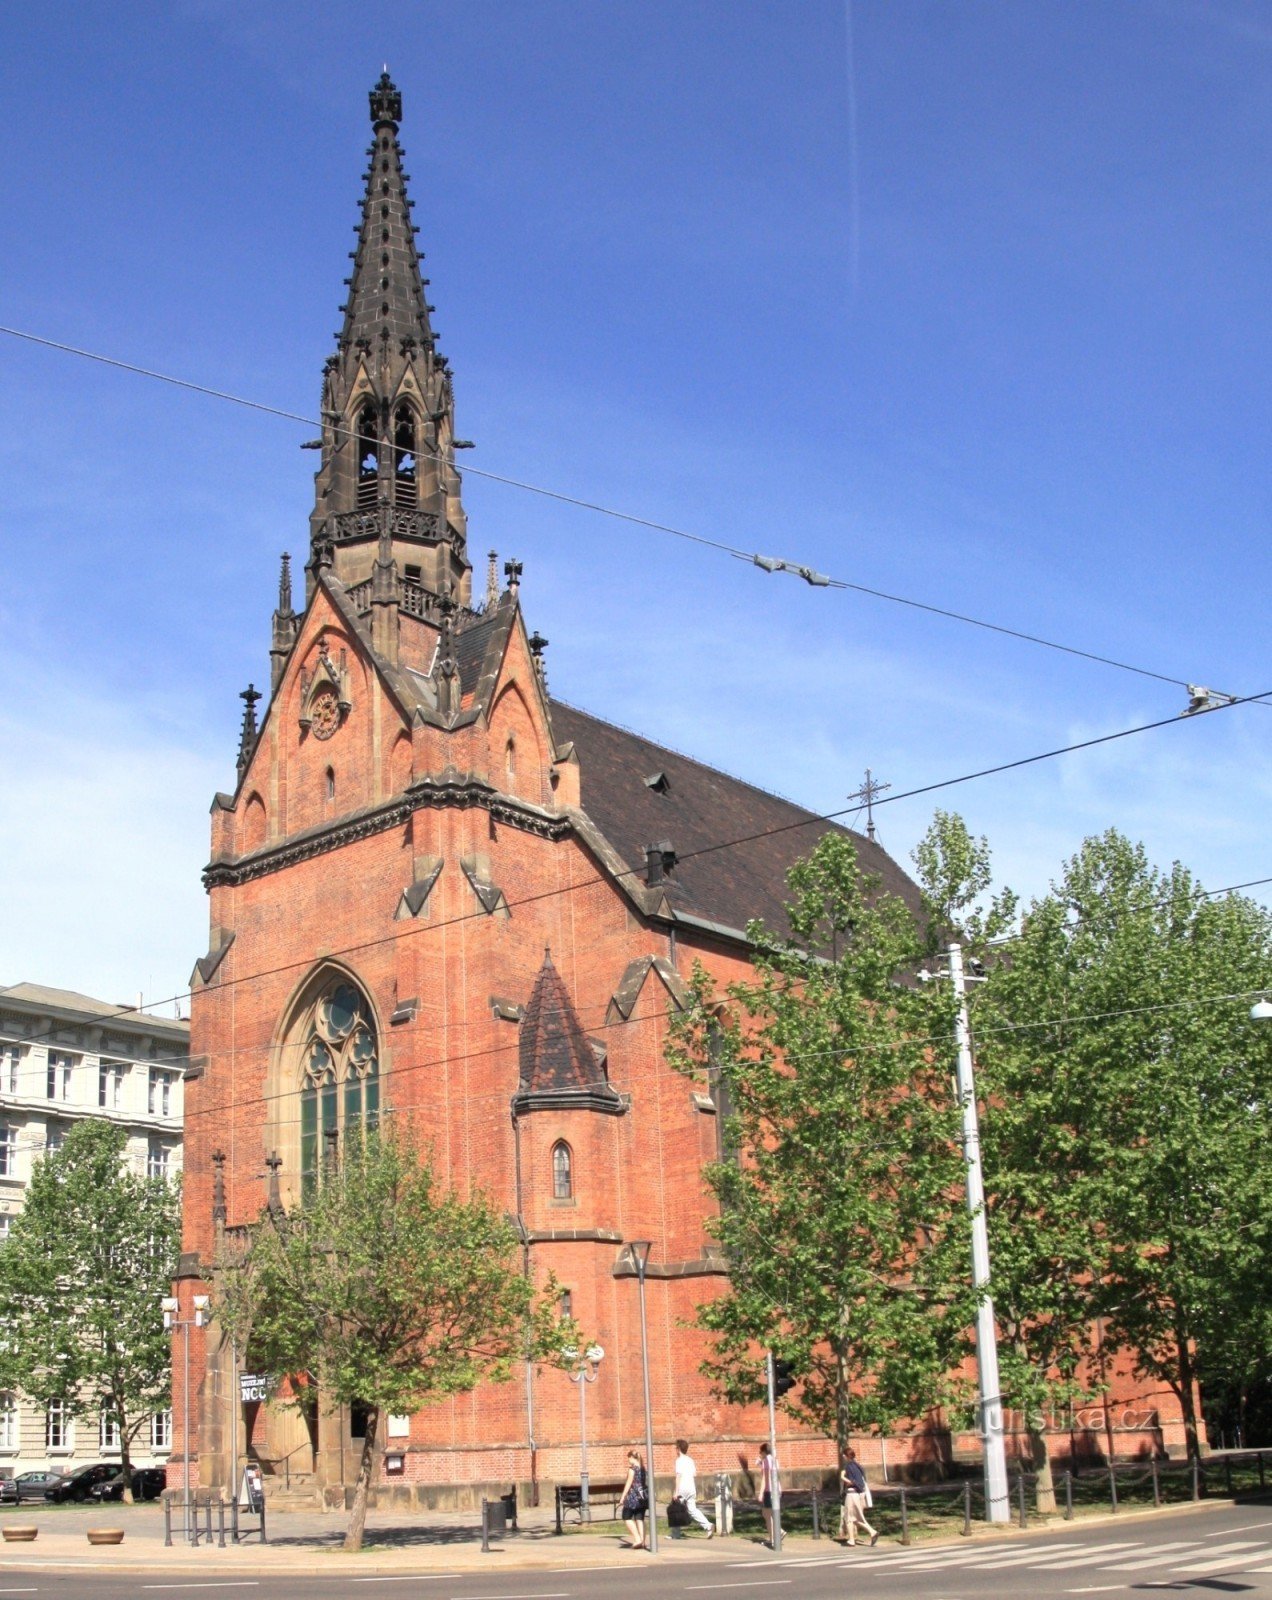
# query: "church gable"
{"points": [[319, 753]]}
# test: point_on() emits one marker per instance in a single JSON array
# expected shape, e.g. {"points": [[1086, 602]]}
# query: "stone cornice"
{"points": [[446, 789]]}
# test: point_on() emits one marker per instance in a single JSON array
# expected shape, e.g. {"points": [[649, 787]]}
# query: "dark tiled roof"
{"points": [[695, 806], [554, 1051], [472, 643]]}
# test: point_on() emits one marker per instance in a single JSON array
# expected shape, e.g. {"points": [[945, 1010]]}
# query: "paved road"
{"points": [[1216, 1551]]}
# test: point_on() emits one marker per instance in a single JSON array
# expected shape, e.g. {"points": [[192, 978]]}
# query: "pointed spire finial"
{"points": [[492, 579], [285, 587], [868, 793], [247, 734], [218, 1187]]}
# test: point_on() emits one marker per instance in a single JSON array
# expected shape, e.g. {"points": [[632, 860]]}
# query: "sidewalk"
{"points": [[404, 1543]]}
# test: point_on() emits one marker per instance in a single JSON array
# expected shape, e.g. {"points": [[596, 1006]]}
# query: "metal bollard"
{"points": [[816, 1518], [220, 1511], [905, 1521], [167, 1521], [1068, 1497], [559, 1527], [1113, 1485], [1196, 1479], [1020, 1495], [723, 1504], [1157, 1488], [967, 1509]]}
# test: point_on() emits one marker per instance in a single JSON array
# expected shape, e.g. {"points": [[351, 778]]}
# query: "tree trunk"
{"points": [[358, 1516], [1040, 1455], [842, 1397], [125, 1463], [1187, 1392]]}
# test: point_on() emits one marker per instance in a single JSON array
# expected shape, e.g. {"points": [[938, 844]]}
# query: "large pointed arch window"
{"points": [[340, 1074]]}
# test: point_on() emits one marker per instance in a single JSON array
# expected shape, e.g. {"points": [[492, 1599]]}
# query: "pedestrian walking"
{"points": [[635, 1501], [687, 1490], [769, 1483], [856, 1499]]}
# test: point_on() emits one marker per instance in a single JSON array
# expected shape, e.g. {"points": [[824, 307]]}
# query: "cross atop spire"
{"points": [[386, 102]]}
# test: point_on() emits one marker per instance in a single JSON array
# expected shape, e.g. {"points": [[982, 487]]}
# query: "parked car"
{"points": [[78, 1484], [148, 1483], [8, 1490], [36, 1485]]}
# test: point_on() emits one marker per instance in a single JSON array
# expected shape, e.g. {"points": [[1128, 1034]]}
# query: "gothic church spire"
{"points": [[388, 405]]}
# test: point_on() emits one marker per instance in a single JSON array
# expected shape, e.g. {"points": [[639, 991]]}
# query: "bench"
{"points": [[569, 1497]]}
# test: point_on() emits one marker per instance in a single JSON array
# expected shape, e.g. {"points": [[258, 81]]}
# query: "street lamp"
{"points": [[171, 1308], [638, 1255], [585, 1372], [1261, 1010]]}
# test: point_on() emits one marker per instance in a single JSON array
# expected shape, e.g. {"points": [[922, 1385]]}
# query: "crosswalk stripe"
{"points": [[1174, 1551]]}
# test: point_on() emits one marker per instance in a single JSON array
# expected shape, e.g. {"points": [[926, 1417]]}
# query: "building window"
{"points": [[340, 1074], [54, 1137], [8, 1151], [10, 1055], [562, 1172], [331, 783], [108, 1433], [6, 1222], [59, 1075], [510, 760], [157, 1154], [159, 1097], [161, 1431], [8, 1422], [57, 1427], [567, 1303], [110, 1085]]}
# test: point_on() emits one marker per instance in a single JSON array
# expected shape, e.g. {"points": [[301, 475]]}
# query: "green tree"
{"points": [[1126, 1135], [88, 1260], [841, 1208], [389, 1288]]}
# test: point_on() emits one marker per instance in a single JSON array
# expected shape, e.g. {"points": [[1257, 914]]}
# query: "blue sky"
{"points": [[965, 302]]}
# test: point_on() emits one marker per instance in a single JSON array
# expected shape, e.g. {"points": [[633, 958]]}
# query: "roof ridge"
{"points": [[704, 766]]}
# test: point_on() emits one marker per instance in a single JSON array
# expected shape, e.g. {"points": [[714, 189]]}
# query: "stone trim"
{"points": [[573, 1236], [603, 1099], [711, 1265], [449, 789]]}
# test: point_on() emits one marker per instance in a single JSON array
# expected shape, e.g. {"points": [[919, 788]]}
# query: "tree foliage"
{"points": [[88, 1259], [389, 1289], [1126, 1132], [840, 1189]]}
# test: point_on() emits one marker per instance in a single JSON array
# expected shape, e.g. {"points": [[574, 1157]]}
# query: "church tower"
{"points": [[387, 508]]}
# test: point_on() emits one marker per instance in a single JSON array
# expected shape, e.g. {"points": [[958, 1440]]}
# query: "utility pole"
{"points": [[776, 1475], [997, 1498]]}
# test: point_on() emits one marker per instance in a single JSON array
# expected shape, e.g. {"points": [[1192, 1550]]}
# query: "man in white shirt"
{"points": [[687, 1488]]}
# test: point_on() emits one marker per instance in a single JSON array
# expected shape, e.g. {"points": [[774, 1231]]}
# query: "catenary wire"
{"points": [[123, 1012], [631, 518]]}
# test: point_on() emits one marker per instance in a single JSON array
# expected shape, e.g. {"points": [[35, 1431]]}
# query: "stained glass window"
{"points": [[340, 1078]]}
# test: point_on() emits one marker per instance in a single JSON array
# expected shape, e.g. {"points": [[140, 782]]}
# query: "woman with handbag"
{"points": [[635, 1502], [856, 1500]]}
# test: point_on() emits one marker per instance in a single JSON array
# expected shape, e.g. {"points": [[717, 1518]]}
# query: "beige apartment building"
{"points": [[64, 1057]]}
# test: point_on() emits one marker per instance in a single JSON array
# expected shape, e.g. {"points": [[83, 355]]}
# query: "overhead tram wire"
{"points": [[764, 563], [811, 820]]}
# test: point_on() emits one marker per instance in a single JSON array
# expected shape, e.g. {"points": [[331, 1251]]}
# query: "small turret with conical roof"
{"points": [[388, 403]]}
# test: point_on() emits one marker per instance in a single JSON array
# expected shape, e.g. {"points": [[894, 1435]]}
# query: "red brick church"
{"points": [[435, 889]]}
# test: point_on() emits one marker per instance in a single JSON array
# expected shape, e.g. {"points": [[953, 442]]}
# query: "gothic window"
{"points": [[331, 784], [368, 458], [340, 1074], [404, 459], [510, 761], [562, 1171]]}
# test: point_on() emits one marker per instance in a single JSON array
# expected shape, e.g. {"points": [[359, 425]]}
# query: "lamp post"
{"points": [[585, 1371], [172, 1318], [638, 1254]]}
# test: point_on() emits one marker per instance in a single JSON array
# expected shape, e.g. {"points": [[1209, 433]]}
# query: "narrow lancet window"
{"points": [[562, 1172]]}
